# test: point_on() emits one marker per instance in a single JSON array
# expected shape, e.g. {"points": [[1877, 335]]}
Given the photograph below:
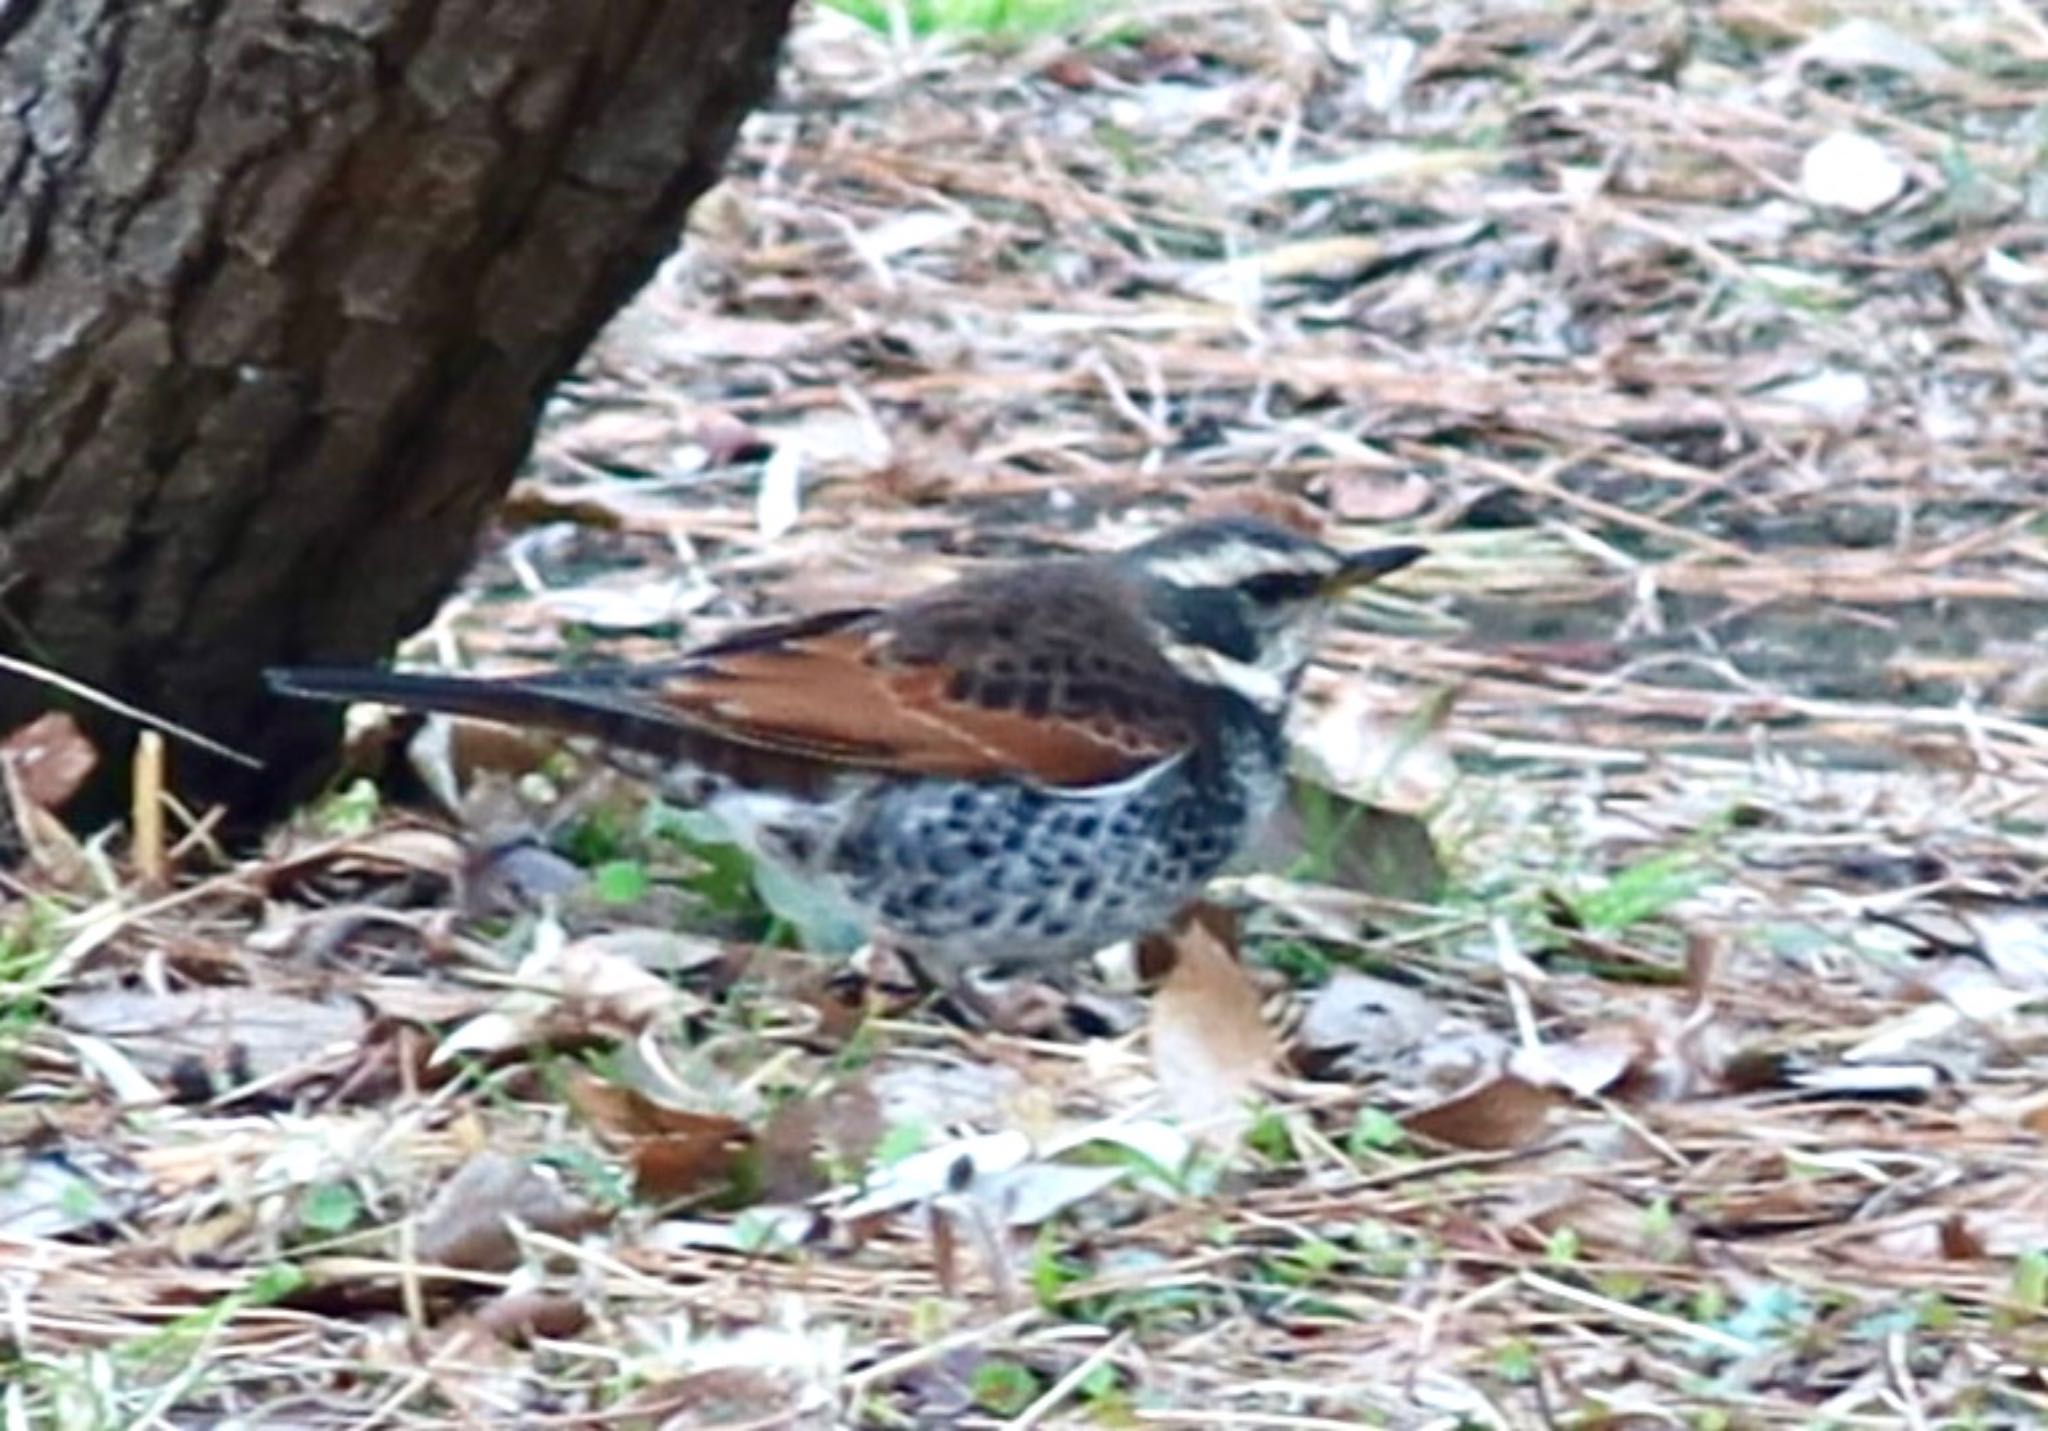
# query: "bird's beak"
{"points": [[1368, 566]]}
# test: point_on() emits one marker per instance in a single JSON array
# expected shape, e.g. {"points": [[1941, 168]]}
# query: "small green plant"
{"points": [[1107, 1400], [1003, 1387], [1304, 965], [1769, 1315], [349, 811], [1516, 1361], [990, 19], [184, 1338], [1642, 891], [2030, 1281], [1374, 1131], [1271, 1138], [723, 877], [1052, 1270], [1936, 1313], [330, 1208], [762, 901], [1562, 1247], [900, 1141], [28, 951], [1311, 1262], [602, 834], [620, 881], [610, 1184]]}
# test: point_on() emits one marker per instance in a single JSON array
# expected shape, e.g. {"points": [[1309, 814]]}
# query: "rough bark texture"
{"points": [[283, 284]]}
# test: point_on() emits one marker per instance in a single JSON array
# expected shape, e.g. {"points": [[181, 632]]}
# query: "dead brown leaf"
{"points": [[519, 1317], [51, 758], [469, 1223], [1211, 1044], [674, 1151], [1503, 1113]]}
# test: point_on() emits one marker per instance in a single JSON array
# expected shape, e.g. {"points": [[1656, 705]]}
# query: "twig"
{"points": [[121, 708], [1636, 1316]]}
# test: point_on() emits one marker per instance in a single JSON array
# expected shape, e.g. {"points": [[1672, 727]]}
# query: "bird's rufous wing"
{"points": [[845, 696], [989, 685]]}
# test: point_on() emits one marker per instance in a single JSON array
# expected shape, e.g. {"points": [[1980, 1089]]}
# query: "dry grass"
{"points": [[1709, 1091]]}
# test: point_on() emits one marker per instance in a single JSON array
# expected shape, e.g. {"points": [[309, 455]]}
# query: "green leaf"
{"points": [[1304, 965], [274, 1284], [600, 836], [1270, 1137], [1643, 891], [1003, 1387], [1052, 1271], [899, 1142], [1516, 1361], [2030, 1280], [349, 811], [620, 881], [1376, 1131], [724, 878], [822, 922], [985, 18], [330, 1207]]}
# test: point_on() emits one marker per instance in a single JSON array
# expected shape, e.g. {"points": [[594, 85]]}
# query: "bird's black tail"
{"points": [[556, 703], [617, 706]]}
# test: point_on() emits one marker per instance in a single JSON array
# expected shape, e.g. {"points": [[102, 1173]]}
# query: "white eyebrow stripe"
{"points": [[1263, 688], [1230, 565]]}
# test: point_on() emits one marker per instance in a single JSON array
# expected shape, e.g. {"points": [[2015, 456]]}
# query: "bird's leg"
{"points": [[951, 996]]}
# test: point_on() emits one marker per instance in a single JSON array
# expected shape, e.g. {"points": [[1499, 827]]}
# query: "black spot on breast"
{"points": [[1083, 890], [1029, 915]]}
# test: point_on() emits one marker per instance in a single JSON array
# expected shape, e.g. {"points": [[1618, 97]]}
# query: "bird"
{"points": [[1015, 770]]}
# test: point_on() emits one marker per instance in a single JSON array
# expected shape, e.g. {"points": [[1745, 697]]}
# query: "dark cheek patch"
{"points": [[1212, 619]]}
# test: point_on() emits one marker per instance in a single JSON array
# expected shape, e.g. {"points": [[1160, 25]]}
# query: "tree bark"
{"points": [[283, 285]]}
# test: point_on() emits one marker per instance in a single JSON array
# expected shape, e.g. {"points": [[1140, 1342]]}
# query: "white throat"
{"points": [[1266, 688]]}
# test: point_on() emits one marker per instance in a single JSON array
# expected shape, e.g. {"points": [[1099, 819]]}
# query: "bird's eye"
{"points": [[1277, 588]]}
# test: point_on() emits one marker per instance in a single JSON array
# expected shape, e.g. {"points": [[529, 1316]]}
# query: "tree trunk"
{"points": [[283, 285]]}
